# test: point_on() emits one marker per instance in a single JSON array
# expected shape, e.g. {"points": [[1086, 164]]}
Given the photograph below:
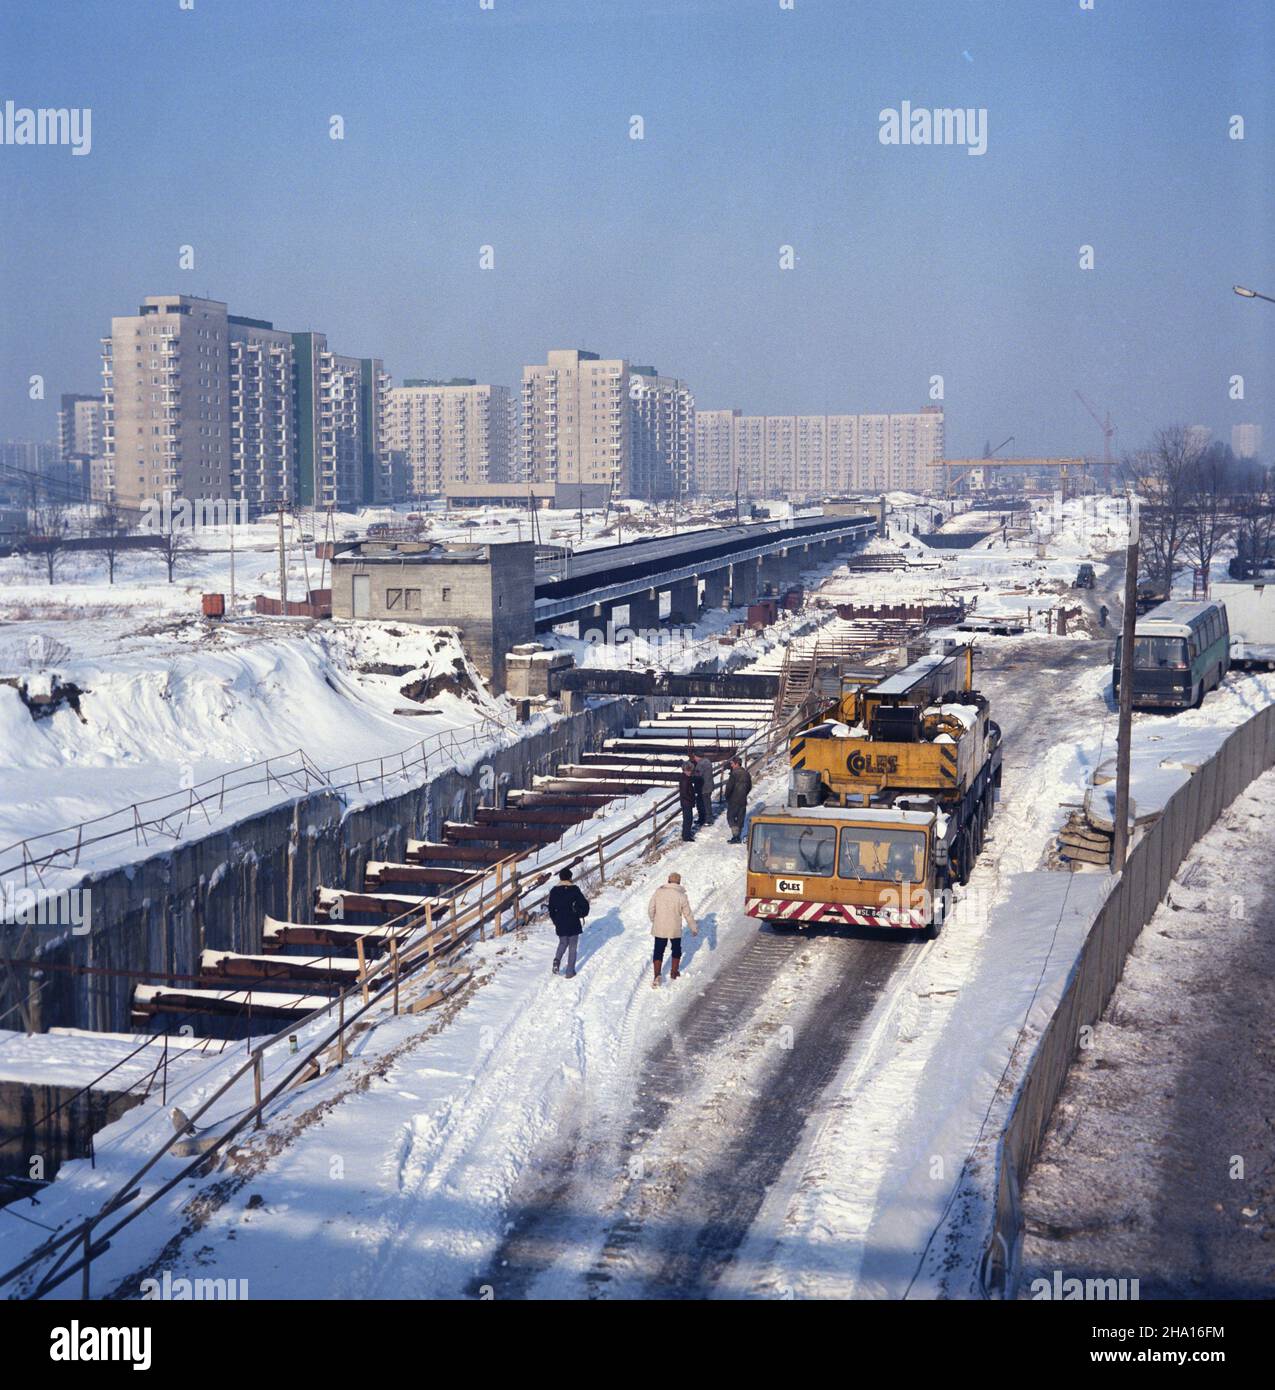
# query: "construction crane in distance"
{"points": [[1107, 428]]}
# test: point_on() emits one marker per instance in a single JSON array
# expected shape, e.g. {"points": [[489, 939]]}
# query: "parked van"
{"points": [[1181, 651]]}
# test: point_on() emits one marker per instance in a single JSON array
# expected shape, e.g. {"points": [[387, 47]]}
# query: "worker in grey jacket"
{"points": [[669, 909], [703, 778], [739, 783]]}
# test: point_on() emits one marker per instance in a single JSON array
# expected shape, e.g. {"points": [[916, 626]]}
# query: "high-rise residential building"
{"points": [[457, 431], [809, 456], [715, 455], [26, 467], [79, 440], [663, 435], [576, 421], [263, 436], [166, 385], [341, 403], [1246, 441], [204, 404]]}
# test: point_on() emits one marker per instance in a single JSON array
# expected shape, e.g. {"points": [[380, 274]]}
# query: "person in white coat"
{"points": [[669, 910]]}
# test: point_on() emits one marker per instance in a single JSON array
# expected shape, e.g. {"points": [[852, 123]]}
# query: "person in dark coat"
{"points": [[739, 783], [686, 797], [568, 907], [703, 777]]}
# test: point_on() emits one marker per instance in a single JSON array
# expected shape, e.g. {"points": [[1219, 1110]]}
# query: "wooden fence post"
{"points": [[358, 946], [256, 1087]]}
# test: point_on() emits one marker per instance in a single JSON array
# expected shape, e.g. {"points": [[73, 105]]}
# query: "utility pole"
{"points": [[1120, 841], [232, 557], [283, 566]]}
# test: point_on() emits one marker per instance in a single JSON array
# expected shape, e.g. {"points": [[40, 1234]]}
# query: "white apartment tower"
{"points": [[811, 456], [457, 431], [663, 435], [576, 421], [1246, 441], [262, 414]]}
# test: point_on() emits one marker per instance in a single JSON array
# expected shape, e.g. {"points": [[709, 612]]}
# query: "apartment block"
{"points": [[262, 414], [1246, 441], [811, 456], [450, 433], [663, 435], [79, 441], [166, 392], [714, 460], [204, 404], [576, 421]]}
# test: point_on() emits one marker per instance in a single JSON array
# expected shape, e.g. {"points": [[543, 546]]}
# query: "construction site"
{"points": [[363, 957]]}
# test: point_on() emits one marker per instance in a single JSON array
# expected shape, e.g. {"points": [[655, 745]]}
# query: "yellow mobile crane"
{"points": [[890, 794]]}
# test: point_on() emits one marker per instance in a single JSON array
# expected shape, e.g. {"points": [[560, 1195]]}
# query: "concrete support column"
{"points": [[644, 610], [683, 602], [775, 572], [714, 587], [743, 582]]}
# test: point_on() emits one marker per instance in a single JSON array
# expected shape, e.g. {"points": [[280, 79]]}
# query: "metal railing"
{"points": [[430, 935], [170, 815]]}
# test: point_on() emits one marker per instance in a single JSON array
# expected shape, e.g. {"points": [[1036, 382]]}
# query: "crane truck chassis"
{"points": [[889, 799]]}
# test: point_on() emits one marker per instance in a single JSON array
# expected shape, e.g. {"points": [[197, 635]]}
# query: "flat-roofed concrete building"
{"points": [[714, 468], [263, 428], [202, 404], [451, 432], [1246, 441], [556, 496], [485, 591], [576, 421], [810, 456], [663, 435], [166, 390], [79, 440]]}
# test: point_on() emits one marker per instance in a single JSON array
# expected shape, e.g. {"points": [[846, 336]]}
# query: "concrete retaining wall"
{"points": [[156, 915], [1188, 814]]}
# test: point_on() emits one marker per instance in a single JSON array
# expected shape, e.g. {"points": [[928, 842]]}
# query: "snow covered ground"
{"points": [[540, 1136], [1157, 1165]]}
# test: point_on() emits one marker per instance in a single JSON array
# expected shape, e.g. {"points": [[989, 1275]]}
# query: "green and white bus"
{"points": [[1181, 651]]}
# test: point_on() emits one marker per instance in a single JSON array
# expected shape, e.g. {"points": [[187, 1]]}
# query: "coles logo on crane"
{"points": [[862, 764]]}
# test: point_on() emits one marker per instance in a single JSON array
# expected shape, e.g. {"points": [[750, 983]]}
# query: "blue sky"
{"points": [[510, 127]]}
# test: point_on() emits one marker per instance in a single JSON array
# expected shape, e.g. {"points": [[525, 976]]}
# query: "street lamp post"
{"points": [[1252, 294]]}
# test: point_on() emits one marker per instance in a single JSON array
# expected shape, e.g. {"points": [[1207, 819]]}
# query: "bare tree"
{"points": [[1210, 521], [1164, 476], [110, 526], [174, 549], [47, 534]]}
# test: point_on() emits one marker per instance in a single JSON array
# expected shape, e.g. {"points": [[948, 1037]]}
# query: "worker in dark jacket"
{"points": [[703, 776], [739, 783], [568, 907], [686, 797]]}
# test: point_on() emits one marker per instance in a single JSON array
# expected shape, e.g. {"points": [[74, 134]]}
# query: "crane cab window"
{"points": [[882, 855], [793, 849]]}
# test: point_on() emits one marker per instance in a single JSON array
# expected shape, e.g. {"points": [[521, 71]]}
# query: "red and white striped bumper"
{"points": [[796, 910]]}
